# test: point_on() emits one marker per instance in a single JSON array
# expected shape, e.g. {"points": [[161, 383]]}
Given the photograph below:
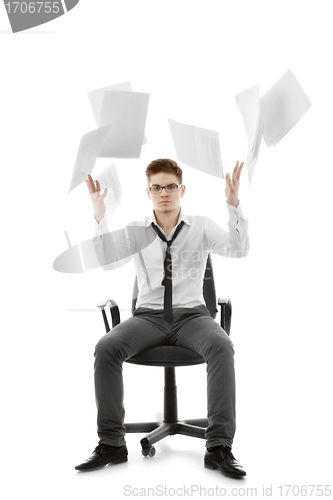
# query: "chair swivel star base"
{"points": [[169, 357]]}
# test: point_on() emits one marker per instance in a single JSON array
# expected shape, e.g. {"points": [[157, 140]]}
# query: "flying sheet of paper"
{"points": [[89, 148], [248, 104], [283, 105], [272, 115], [197, 147], [96, 100], [120, 134], [109, 179], [126, 112]]}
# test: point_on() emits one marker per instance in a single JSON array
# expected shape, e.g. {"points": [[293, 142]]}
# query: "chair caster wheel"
{"points": [[149, 452]]}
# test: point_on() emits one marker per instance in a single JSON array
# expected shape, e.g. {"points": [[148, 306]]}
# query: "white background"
{"points": [[192, 57]]}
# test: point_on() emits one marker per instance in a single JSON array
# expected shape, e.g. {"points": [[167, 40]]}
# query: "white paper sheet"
{"points": [[109, 179], [197, 147], [248, 104], [272, 115], [283, 105], [122, 119], [90, 146], [96, 100], [126, 112]]}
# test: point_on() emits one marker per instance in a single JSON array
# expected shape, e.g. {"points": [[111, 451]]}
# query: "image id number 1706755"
{"points": [[33, 7], [304, 490]]}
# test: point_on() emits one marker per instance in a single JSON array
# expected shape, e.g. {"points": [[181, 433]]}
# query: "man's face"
{"points": [[165, 202]]}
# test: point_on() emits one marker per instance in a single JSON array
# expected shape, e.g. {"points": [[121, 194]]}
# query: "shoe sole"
{"points": [[214, 467]]}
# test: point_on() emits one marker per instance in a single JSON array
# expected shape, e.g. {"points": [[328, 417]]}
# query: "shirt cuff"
{"points": [[101, 227], [235, 213]]}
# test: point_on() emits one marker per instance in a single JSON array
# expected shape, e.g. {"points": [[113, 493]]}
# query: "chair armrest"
{"points": [[224, 303], [114, 311], [226, 311]]}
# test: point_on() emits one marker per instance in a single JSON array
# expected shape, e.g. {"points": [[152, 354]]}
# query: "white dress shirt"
{"points": [[198, 237]]}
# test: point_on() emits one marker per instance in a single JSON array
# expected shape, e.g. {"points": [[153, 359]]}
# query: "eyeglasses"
{"points": [[170, 188]]}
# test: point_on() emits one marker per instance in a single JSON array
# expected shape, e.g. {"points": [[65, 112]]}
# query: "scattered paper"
{"points": [[272, 115], [283, 105], [248, 104], [109, 179], [126, 113], [89, 148], [197, 147], [121, 117], [96, 100]]}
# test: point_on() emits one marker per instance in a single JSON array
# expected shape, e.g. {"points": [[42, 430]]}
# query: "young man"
{"points": [[172, 248]]}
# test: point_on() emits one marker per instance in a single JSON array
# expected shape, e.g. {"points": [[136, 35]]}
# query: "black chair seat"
{"points": [[167, 355]]}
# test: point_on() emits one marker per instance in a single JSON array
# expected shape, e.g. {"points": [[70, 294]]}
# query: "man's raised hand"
{"points": [[232, 184], [97, 198]]}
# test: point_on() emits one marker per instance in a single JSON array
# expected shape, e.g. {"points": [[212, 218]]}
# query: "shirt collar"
{"points": [[182, 216]]}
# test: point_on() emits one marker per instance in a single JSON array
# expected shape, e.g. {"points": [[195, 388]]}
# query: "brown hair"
{"points": [[164, 165]]}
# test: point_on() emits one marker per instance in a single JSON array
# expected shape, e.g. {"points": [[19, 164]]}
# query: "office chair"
{"points": [[169, 357]]}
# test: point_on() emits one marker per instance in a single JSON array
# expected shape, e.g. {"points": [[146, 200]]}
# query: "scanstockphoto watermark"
{"points": [[23, 15], [193, 490]]}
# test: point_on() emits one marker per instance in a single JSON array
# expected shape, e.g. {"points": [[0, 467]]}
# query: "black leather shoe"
{"points": [[102, 455], [224, 460]]}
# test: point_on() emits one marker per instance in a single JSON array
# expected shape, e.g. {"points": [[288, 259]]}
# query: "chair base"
{"points": [[156, 432], [170, 425]]}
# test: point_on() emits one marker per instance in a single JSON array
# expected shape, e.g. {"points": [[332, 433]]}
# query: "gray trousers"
{"points": [[193, 328]]}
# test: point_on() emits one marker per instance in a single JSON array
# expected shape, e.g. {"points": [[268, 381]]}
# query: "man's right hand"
{"points": [[97, 198]]}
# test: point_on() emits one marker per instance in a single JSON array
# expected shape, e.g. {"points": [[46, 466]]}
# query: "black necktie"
{"points": [[167, 281]]}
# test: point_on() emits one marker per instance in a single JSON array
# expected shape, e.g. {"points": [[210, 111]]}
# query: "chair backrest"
{"points": [[209, 292]]}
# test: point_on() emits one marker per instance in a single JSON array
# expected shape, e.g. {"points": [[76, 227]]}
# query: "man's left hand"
{"points": [[232, 184]]}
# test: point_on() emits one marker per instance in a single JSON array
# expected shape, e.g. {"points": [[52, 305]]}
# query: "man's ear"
{"points": [[183, 189], [148, 193]]}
